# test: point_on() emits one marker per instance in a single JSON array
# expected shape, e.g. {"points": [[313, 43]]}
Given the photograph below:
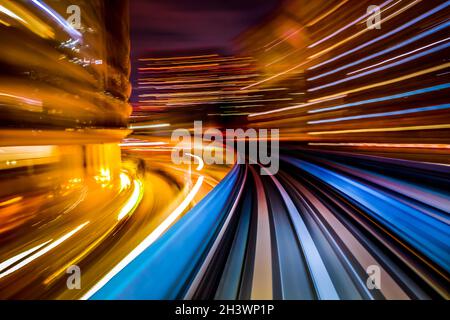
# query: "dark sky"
{"points": [[185, 25]]}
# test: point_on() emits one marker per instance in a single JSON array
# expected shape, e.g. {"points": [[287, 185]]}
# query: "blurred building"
{"points": [[182, 89], [64, 85], [369, 72]]}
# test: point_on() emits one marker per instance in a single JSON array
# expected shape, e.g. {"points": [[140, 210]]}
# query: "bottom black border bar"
{"points": [[185, 310]]}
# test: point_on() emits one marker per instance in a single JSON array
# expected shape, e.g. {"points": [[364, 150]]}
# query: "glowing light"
{"points": [[346, 26], [179, 58], [5, 23], [386, 98], [43, 251], [150, 126], [22, 99], [142, 144], [382, 52], [326, 14], [381, 145], [296, 107], [148, 241], [11, 201], [199, 159], [132, 203], [396, 57], [383, 83], [390, 65], [410, 128], [338, 44], [104, 177], [20, 256], [60, 20], [11, 14], [383, 114], [388, 34], [125, 181], [276, 75]]}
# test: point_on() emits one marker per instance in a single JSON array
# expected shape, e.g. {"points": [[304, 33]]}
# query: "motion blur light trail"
{"points": [[195, 231], [370, 85], [360, 205], [316, 229], [323, 233], [148, 203], [69, 194]]}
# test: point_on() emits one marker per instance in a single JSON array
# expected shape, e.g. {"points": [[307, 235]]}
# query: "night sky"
{"points": [[190, 25]]}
